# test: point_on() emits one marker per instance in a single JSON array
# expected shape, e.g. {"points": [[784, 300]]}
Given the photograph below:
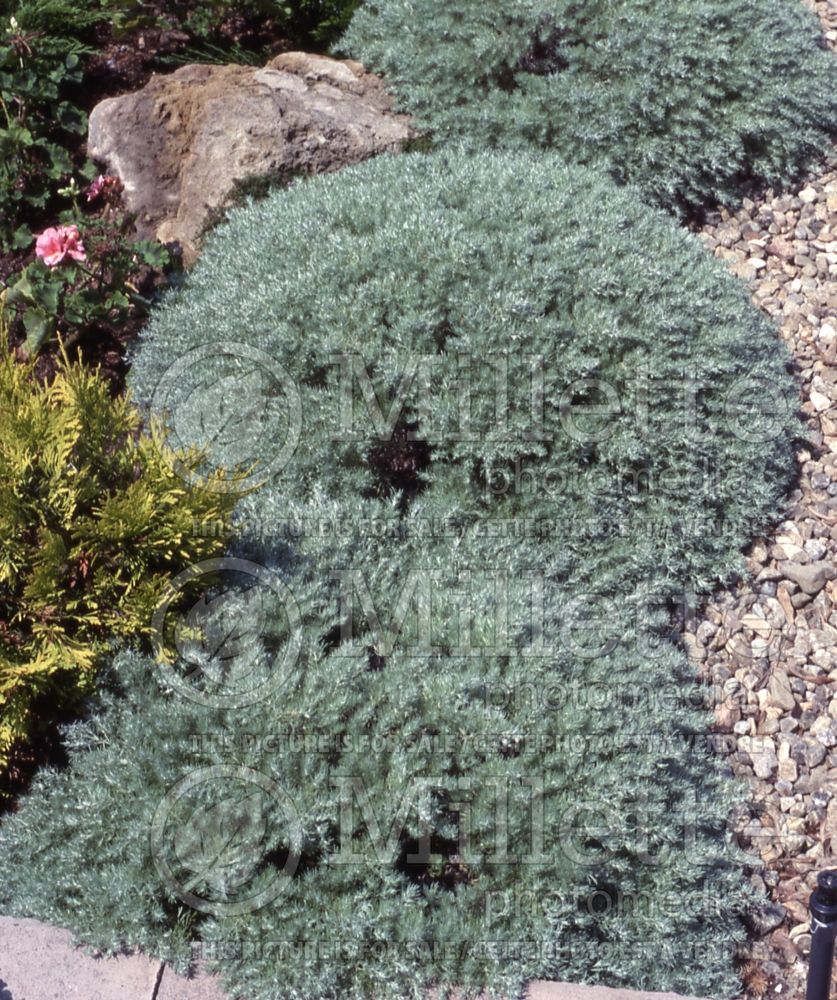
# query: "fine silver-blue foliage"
{"points": [[692, 100]]}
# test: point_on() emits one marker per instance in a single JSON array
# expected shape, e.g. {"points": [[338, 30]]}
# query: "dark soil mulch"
{"points": [[127, 61]]}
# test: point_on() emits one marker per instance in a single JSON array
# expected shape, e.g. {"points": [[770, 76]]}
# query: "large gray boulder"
{"points": [[183, 143]]}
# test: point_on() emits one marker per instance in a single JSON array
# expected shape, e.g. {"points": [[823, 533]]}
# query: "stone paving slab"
{"points": [[174, 987], [568, 991], [39, 962]]}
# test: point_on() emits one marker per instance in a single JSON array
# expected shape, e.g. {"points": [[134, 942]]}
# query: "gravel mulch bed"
{"points": [[769, 645]]}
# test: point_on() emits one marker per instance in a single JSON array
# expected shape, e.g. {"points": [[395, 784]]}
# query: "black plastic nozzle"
{"points": [[823, 907]]}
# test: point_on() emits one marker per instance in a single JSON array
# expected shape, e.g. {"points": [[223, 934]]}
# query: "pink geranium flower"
{"points": [[57, 243], [105, 186]]}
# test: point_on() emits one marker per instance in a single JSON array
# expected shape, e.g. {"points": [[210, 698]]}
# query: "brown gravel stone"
{"points": [[772, 654]]}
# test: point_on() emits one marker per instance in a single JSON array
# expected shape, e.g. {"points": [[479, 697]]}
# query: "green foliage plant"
{"points": [[317, 22], [212, 25], [99, 289], [95, 521], [44, 47], [454, 630], [691, 100], [633, 865], [43, 44], [422, 290]]}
